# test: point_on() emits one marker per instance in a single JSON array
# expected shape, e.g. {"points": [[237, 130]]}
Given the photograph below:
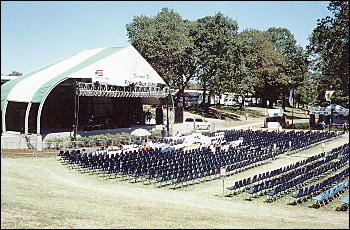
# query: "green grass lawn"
{"points": [[229, 112], [252, 112]]}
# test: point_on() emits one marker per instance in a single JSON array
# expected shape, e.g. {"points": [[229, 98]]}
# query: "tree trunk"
{"points": [[208, 103], [209, 97], [176, 99], [241, 106], [183, 98], [270, 106], [218, 104], [204, 94], [284, 105]]}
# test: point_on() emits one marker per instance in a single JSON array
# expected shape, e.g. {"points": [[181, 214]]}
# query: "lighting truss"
{"points": [[105, 90]]}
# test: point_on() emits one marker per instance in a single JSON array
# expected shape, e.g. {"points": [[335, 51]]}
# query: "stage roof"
{"points": [[113, 65]]}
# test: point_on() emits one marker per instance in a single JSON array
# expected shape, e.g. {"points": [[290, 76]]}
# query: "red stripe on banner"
{"points": [[99, 72]]}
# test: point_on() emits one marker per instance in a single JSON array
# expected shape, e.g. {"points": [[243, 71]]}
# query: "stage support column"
{"points": [[76, 109], [167, 119], [26, 119]]}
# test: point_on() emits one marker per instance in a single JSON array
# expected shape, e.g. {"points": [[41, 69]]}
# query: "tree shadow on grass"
{"points": [[304, 126], [249, 112], [213, 114], [296, 117]]}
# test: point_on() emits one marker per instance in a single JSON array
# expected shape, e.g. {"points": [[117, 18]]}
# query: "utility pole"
{"points": [[292, 88], [293, 105], [167, 118], [76, 110], [328, 96]]}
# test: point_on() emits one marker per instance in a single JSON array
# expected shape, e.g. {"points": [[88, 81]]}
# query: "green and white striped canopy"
{"points": [[118, 66]]}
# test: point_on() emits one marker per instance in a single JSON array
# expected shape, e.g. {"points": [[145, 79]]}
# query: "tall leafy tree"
{"points": [[265, 64], [241, 78], [187, 63], [164, 42], [329, 52], [294, 60], [307, 90], [214, 38]]}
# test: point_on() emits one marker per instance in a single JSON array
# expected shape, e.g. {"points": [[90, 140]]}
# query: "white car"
{"points": [[230, 101], [198, 123]]}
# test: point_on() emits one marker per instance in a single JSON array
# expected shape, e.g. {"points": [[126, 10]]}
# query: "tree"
{"points": [[265, 65], [329, 52], [307, 90], [164, 42], [15, 73], [241, 78], [187, 63], [294, 60], [214, 38]]}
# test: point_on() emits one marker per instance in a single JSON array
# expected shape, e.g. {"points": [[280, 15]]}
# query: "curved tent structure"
{"points": [[115, 66]]}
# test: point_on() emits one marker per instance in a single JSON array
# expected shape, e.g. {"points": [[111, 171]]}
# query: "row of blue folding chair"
{"points": [[280, 184], [331, 192], [345, 200], [305, 177], [313, 189], [273, 173]]}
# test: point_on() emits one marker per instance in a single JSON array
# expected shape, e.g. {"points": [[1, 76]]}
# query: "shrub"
{"points": [[101, 139]]}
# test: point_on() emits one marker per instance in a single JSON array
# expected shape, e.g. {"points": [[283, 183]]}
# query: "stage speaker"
{"points": [[159, 116], [179, 115], [312, 120]]}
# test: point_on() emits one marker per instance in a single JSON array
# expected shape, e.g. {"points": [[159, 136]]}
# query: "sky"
{"points": [[35, 34]]}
